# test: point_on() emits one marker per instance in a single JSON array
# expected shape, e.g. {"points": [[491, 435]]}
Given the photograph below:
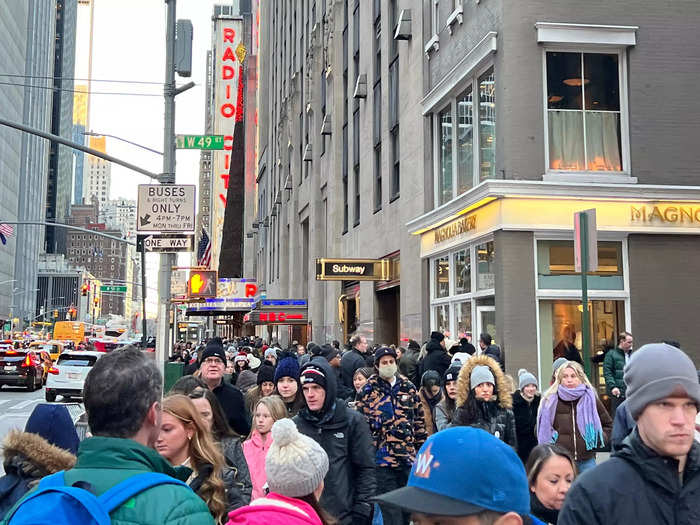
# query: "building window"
{"points": [[396, 166], [435, 17], [442, 277], [583, 111], [486, 259], [556, 268], [457, 167], [378, 177], [345, 177], [356, 161]]}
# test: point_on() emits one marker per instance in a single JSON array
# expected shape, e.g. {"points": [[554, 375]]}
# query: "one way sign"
{"points": [[165, 243]]}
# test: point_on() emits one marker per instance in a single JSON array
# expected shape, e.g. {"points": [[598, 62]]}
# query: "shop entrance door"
{"points": [[486, 323]]}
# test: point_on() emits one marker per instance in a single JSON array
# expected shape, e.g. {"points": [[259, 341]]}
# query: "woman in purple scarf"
{"points": [[572, 416]]}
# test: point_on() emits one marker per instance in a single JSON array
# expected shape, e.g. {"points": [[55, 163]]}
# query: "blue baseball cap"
{"points": [[463, 471]]}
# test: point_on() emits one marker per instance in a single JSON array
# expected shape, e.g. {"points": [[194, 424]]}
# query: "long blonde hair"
{"points": [[202, 451], [276, 406], [576, 367]]}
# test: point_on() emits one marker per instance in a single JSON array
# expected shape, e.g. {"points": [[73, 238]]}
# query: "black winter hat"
{"points": [[266, 372], [313, 374], [451, 374], [214, 350], [382, 351], [413, 344], [437, 336]]}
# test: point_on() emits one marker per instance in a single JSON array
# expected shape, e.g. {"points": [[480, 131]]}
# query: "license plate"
{"points": [[73, 376], [10, 368]]}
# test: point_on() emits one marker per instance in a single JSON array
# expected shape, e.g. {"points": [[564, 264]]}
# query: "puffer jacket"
{"points": [[436, 359], [525, 421], [396, 420], [344, 435], [239, 473], [103, 462], [569, 436], [494, 416], [636, 486], [255, 453], [234, 497], [28, 458], [613, 370], [275, 508]]}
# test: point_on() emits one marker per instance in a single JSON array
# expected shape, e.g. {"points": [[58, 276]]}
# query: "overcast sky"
{"points": [[129, 44]]}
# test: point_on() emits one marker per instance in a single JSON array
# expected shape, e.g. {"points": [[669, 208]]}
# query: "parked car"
{"points": [[67, 376], [20, 367]]}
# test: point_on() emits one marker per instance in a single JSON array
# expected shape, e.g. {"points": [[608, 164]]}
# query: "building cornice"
{"points": [[499, 189]]}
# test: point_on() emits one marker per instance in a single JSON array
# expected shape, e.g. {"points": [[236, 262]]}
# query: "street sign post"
{"points": [[166, 208], [165, 242], [208, 142], [585, 260], [113, 288]]}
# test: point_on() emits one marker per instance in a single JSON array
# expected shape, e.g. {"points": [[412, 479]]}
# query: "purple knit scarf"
{"points": [[587, 419]]}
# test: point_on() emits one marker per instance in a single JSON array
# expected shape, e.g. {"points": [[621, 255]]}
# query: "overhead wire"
{"points": [[52, 88]]}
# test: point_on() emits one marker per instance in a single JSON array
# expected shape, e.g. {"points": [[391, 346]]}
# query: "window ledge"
{"points": [[394, 197], [560, 33], [433, 46], [455, 17], [588, 176]]}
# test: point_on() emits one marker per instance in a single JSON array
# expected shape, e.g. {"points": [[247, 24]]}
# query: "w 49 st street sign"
{"points": [[165, 243], [199, 142]]}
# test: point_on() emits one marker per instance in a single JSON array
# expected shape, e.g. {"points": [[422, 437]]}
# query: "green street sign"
{"points": [[112, 288], [199, 141]]}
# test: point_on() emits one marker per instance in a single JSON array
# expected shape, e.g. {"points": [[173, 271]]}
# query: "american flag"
{"points": [[6, 231], [204, 250]]}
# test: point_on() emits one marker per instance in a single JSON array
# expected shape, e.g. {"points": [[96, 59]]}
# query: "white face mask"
{"points": [[387, 371]]}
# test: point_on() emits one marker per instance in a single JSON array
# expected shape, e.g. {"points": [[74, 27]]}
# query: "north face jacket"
{"points": [[613, 370], [396, 420], [636, 486]]}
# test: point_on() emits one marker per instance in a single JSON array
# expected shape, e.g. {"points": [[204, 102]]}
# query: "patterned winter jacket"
{"points": [[396, 420]]}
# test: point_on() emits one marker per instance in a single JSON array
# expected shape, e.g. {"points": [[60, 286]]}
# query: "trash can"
{"points": [[173, 372]]}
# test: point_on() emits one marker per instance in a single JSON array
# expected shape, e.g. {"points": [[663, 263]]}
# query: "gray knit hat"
{"points": [[481, 374], [654, 372], [295, 464], [557, 363], [526, 378]]}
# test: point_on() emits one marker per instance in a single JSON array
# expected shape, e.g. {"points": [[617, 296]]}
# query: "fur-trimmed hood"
{"points": [[33, 456], [505, 398]]}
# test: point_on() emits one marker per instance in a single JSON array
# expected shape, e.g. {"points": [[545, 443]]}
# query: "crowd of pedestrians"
{"points": [[433, 433]]}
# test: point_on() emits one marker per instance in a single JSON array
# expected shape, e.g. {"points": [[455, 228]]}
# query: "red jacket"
{"points": [[255, 453], [275, 508]]}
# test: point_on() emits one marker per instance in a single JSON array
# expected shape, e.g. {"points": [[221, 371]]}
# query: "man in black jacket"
{"points": [[344, 435], [354, 359], [655, 476], [437, 358], [231, 399], [408, 362]]}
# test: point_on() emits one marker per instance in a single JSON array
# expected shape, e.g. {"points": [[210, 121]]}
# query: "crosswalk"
{"points": [[12, 407]]}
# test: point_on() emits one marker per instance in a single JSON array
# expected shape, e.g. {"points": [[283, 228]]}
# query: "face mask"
{"points": [[387, 371]]}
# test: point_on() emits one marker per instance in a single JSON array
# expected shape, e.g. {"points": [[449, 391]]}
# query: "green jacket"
{"points": [[103, 462], [613, 370]]}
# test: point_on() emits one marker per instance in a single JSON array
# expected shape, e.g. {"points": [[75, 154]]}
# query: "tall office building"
{"points": [[97, 180], [80, 107], [26, 44], [58, 193]]}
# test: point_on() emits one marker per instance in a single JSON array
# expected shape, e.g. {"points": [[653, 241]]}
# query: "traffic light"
{"points": [[201, 284], [96, 301], [55, 314], [85, 289], [72, 312]]}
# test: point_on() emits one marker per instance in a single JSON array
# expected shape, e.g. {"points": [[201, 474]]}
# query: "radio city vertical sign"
{"points": [[228, 98], [352, 270]]}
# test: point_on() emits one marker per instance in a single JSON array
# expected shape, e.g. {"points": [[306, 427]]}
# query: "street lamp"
{"points": [[94, 134]]}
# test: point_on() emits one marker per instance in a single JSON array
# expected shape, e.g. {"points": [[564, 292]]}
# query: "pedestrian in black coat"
{"points": [[526, 402], [437, 357]]}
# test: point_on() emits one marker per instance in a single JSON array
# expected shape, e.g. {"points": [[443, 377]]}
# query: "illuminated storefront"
{"points": [[504, 264]]}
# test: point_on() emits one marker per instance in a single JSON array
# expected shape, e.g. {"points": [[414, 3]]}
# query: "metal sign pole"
{"points": [[586, 345]]}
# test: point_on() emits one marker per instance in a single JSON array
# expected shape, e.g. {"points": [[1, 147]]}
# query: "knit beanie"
{"points": [[270, 352], [451, 374], [54, 424], [214, 349], [526, 378], [430, 379], [313, 373], [654, 372], [557, 363], [287, 367], [437, 336], [266, 372], [240, 356], [295, 464], [481, 374]]}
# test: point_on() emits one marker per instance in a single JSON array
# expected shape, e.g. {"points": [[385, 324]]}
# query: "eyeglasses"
{"points": [[211, 361]]}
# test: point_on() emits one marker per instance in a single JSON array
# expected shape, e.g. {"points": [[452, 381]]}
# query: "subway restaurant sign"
{"points": [[352, 270], [552, 215]]}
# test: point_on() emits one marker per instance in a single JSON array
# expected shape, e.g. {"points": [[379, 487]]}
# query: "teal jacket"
{"points": [[104, 462], [613, 370]]}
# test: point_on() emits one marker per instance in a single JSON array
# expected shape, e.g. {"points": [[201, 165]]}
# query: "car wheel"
{"points": [[31, 384], [50, 396]]}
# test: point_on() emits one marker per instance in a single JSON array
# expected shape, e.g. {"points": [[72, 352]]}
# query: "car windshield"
{"points": [[76, 360]]}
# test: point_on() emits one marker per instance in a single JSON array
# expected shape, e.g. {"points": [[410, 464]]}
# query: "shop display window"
{"points": [[555, 266], [442, 277], [463, 272], [486, 258]]}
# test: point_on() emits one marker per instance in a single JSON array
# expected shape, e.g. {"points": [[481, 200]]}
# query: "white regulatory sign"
{"points": [[166, 208]]}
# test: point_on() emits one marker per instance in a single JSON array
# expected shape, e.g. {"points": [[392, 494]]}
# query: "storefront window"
{"points": [[463, 272], [555, 266], [486, 258], [442, 317], [463, 318], [442, 277]]}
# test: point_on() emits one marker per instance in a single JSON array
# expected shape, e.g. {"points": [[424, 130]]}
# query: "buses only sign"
{"points": [[166, 208]]}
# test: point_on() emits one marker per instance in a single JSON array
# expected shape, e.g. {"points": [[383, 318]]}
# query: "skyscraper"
{"points": [[27, 39], [98, 179], [58, 193]]}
